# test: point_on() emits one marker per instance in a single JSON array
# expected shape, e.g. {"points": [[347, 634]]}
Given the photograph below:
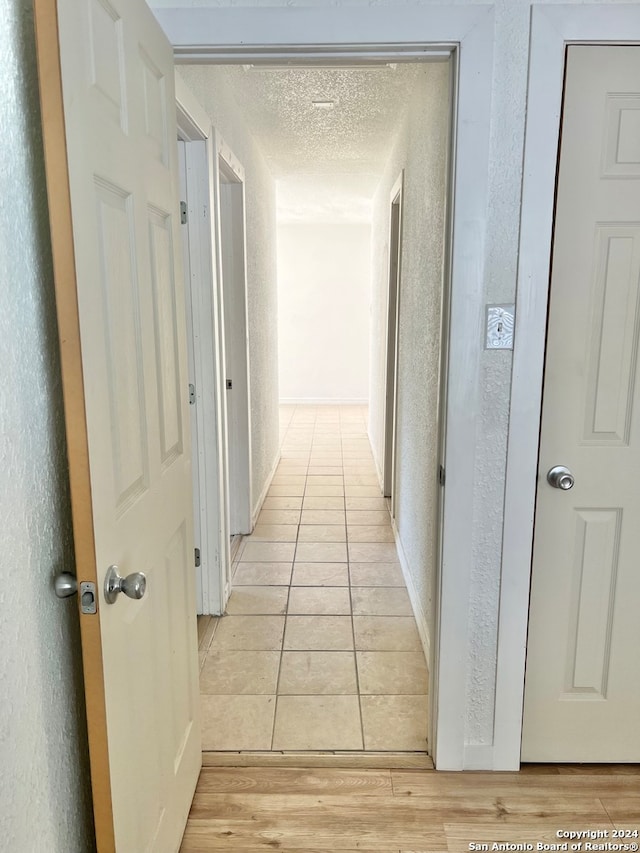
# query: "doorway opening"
{"points": [[232, 271], [332, 607], [393, 314]]}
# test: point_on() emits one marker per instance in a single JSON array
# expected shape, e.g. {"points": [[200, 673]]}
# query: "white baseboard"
{"points": [[263, 493], [418, 612], [323, 401]]}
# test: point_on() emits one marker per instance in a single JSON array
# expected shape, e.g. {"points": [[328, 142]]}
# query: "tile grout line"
{"points": [[284, 626], [286, 617], [284, 631], [353, 629]]}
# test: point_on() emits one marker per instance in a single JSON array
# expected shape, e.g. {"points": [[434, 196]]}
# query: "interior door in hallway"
{"points": [[231, 217], [393, 326], [108, 105], [582, 697]]}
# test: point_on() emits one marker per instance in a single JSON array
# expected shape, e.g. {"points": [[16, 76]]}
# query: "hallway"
{"points": [[319, 650]]}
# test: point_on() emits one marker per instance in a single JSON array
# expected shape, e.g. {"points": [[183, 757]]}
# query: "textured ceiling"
{"points": [[327, 162]]}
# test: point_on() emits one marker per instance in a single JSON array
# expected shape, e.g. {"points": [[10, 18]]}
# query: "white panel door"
{"points": [[582, 696], [126, 404], [231, 220]]}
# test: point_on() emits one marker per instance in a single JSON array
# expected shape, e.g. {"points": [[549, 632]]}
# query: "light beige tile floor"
{"points": [[319, 649]]}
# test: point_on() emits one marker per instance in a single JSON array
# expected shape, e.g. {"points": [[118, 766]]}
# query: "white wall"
{"points": [[207, 84], [44, 776], [324, 295], [421, 150]]}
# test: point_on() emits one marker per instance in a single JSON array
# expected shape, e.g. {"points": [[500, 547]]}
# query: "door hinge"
{"points": [[441, 475], [183, 213], [192, 394], [196, 554], [229, 384]]}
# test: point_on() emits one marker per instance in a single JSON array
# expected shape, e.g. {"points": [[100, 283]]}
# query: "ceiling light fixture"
{"points": [[323, 105]]}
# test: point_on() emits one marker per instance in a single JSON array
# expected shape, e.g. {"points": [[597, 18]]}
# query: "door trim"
{"points": [[343, 34], [552, 29], [206, 342], [392, 344]]}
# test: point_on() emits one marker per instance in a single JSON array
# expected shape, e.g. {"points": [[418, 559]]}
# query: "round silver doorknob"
{"points": [[133, 586], [560, 478], [65, 585]]}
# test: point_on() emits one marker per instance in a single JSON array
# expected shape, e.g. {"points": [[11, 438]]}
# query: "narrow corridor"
{"points": [[319, 650]]}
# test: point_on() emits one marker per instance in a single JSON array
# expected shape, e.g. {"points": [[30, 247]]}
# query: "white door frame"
{"points": [[205, 340], [391, 357], [342, 34], [238, 399], [552, 29]]}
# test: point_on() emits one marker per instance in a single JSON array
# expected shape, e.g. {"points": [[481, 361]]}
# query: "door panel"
{"points": [[107, 79], [121, 307], [597, 543], [582, 695], [614, 334], [165, 306]]}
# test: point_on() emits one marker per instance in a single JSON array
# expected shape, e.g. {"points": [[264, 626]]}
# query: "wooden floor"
{"points": [[407, 811]]}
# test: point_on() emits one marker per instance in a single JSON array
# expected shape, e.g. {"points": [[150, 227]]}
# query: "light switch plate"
{"points": [[500, 322]]}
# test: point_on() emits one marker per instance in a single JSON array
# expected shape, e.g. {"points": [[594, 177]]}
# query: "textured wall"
{"points": [[324, 291], [44, 787], [208, 85], [421, 150]]}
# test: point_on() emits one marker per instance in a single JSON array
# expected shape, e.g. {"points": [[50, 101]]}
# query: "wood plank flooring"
{"points": [[408, 811]]}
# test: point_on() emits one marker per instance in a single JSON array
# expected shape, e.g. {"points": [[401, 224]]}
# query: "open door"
{"points": [[107, 93]]}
